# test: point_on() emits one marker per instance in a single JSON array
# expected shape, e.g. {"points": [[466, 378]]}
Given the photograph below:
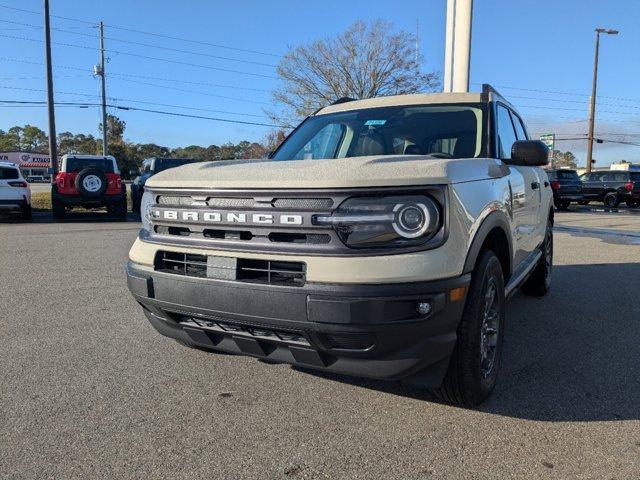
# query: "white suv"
{"points": [[15, 195]]}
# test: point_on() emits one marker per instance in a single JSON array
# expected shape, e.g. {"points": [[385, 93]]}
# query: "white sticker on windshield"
{"points": [[375, 122]]}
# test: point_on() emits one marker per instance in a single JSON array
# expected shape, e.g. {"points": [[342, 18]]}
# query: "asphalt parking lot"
{"points": [[89, 390]]}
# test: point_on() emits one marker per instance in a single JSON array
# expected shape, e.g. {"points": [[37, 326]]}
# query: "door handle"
{"points": [[535, 185]]}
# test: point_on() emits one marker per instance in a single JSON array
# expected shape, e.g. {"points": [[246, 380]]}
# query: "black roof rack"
{"points": [[343, 100], [486, 88]]}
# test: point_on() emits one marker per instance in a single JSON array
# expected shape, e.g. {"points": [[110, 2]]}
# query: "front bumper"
{"points": [[371, 331]]}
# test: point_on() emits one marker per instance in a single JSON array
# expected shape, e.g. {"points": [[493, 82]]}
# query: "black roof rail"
{"points": [[343, 100], [486, 88]]}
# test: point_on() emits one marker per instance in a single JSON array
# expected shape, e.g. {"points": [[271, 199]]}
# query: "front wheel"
{"points": [[473, 368]]}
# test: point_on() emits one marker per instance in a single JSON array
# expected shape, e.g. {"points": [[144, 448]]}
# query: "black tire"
{"points": [[58, 210], [563, 205], [539, 282], [26, 213], [135, 203], [632, 204], [91, 182], [120, 210], [583, 202], [473, 368], [611, 200]]}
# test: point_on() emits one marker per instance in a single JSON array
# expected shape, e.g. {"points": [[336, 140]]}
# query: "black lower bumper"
{"points": [[13, 204], [373, 331]]}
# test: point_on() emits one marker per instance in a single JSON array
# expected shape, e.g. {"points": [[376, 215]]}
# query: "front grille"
{"points": [[271, 272], [246, 202], [266, 272], [181, 264]]}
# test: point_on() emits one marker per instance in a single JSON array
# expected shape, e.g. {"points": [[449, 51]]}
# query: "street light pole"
{"points": [[592, 104], [105, 148], [53, 146]]}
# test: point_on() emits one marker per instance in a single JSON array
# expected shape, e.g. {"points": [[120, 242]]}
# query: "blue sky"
{"points": [[530, 50]]}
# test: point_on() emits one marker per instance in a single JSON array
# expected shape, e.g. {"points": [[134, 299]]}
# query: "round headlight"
{"points": [[145, 210], [413, 220]]}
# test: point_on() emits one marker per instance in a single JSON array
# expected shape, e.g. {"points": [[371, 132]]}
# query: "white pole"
{"points": [[458, 45], [447, 86]]}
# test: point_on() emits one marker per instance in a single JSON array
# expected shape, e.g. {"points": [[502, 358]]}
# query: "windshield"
{"points": [[164, 163], [449, 131]]}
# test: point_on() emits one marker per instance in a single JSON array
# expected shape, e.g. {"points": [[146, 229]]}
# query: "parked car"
{"points": [[379, 240], [611, 187], [35, 179], [88, 181], [566, 187], [15, 194], [150, 167]]}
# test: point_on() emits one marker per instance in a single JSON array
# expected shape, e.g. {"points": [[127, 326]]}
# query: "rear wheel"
{"points": [[611, 200], [539, 283], [473, 368], [120, 210], [58, 210], [26, 213]]}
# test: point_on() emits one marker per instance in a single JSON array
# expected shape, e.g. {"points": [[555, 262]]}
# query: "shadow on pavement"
{"points": [[573, 355]]}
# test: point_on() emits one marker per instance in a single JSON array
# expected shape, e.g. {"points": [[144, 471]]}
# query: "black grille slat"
{"points": [[266, 272], [303, 203]]}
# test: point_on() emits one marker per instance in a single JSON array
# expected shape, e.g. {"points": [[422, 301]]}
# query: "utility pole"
{"points": [[592, 104], [53, 146], [457, 52], [100, 71]]}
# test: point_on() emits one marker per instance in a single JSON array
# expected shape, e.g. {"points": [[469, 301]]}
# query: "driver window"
{"points": [[324, 144]]}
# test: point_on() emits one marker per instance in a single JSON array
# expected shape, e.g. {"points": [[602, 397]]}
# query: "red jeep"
{"points": [[89, 181]]}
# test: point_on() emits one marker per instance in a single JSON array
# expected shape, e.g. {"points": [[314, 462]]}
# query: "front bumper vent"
{"points": [[266, 272]]}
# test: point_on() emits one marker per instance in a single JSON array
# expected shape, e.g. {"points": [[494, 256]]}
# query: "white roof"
{"points": [[413, 99]]}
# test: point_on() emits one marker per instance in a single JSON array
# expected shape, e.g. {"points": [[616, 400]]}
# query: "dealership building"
{"points": [[29, 163]]}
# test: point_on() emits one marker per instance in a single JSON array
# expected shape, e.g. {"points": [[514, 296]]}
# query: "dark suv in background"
{"points": [[150, 167], [612, 187], [566, 187]]}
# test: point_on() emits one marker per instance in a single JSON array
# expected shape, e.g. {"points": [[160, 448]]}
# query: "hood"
{"points": [[370, 171]]}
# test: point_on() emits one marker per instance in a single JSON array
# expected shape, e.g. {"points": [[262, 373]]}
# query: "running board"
{"points": [[520, 277]]}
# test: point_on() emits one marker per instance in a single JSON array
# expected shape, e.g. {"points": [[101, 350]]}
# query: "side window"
{"points": [[520, 131], [506, 133]]}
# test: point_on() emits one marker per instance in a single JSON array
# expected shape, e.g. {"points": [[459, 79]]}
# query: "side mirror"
{"points": [[529, 153]]}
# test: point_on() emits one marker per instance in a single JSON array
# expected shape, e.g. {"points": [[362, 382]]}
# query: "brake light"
{"points": [[555, 185], [628, 186], [19, 184]]}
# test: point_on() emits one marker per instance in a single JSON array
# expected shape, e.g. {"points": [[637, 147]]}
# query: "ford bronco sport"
{"points": [[88, 181], [381, 239]]}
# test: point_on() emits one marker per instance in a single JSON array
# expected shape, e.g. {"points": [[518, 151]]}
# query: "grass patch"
{"points": [[42, 201]]}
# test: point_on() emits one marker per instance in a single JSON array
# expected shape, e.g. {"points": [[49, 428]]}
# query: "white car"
{"points": [[15, 195]]}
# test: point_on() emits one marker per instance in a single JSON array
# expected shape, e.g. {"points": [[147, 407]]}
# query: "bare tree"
{"points": [[363, 62]]}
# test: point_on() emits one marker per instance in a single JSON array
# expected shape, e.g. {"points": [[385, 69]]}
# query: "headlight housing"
{"points": [[145, 210], [391, 221]]}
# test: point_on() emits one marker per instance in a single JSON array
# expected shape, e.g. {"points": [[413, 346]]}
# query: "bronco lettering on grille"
{"points": [[226, 217]]}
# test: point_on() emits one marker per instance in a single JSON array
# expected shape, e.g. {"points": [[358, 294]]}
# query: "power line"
{"points": [[187, 82], [146, 57], [116, 99], [192, 91], [159, 35], [175, 114], [141, 44]]}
